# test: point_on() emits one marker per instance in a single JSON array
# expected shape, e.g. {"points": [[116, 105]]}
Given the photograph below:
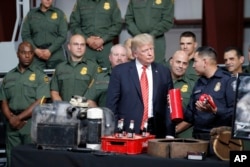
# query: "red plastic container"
{"points": [[175, 104], [126, 145]]}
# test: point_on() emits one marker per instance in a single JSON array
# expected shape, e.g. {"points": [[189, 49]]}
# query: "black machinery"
{"points": [[63, 125]]}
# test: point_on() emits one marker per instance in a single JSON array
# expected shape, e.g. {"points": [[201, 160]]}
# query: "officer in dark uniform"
{"points": [[100, 22], [96, 94], [74, 76], [22, 89], [46, 29], [218, 84], [154, 17]]}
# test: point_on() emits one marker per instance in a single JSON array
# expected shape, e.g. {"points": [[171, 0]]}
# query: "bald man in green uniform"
{"points": [[22, 89], [96, 94], [100, 22], [178, 66], [154, 17], [46, 29], [73, 77]]}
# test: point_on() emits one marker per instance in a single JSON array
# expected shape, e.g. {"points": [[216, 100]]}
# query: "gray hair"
{"points": [[140, 40]]}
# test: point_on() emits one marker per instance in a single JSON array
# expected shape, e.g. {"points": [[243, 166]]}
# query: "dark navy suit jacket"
{"points": [[124, 97]]}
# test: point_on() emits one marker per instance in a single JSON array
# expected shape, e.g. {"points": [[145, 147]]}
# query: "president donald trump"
{"points": [[138, 90]]}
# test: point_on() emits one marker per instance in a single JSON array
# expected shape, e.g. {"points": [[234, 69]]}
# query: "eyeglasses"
{"points": [[78, 44]]}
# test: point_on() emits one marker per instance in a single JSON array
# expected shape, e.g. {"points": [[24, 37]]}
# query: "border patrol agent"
{"points": [[178, 65], [154, 17], [46, 29], [22, 89], [73, 77], [186, 86], [96, 94], [99, 21]]}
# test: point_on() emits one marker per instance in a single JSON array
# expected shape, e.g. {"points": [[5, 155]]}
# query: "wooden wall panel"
{"points": [[223, 24], [7, 19]]}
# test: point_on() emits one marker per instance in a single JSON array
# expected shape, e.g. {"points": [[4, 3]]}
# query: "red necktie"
{"points": [[144, 90]]}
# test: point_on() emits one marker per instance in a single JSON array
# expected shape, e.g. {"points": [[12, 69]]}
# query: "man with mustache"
{"points": [[96, 94]]}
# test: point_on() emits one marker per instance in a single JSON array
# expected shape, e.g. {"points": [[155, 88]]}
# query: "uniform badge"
{"points": [[99, 69], [106, 6], [46, 79], [217, 87], [32, 77], [158, 2], [84, 71], [172, 1], [54, 16], [233, 84], [184, 88]]}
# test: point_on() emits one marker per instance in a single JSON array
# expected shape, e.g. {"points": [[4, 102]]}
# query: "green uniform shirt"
{"points": [[97, 92], [186, 85], [154, 17], [97, 18], [46, 30], [190, 72], [72, 79], [23, 89]]}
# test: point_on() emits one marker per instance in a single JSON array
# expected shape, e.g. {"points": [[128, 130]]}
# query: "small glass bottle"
{"points": [[123, 128], [119, 129], [145, 129], [131, 130]]}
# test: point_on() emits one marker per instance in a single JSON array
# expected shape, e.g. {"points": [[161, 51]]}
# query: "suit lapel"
{"points": [[135, 78]]}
